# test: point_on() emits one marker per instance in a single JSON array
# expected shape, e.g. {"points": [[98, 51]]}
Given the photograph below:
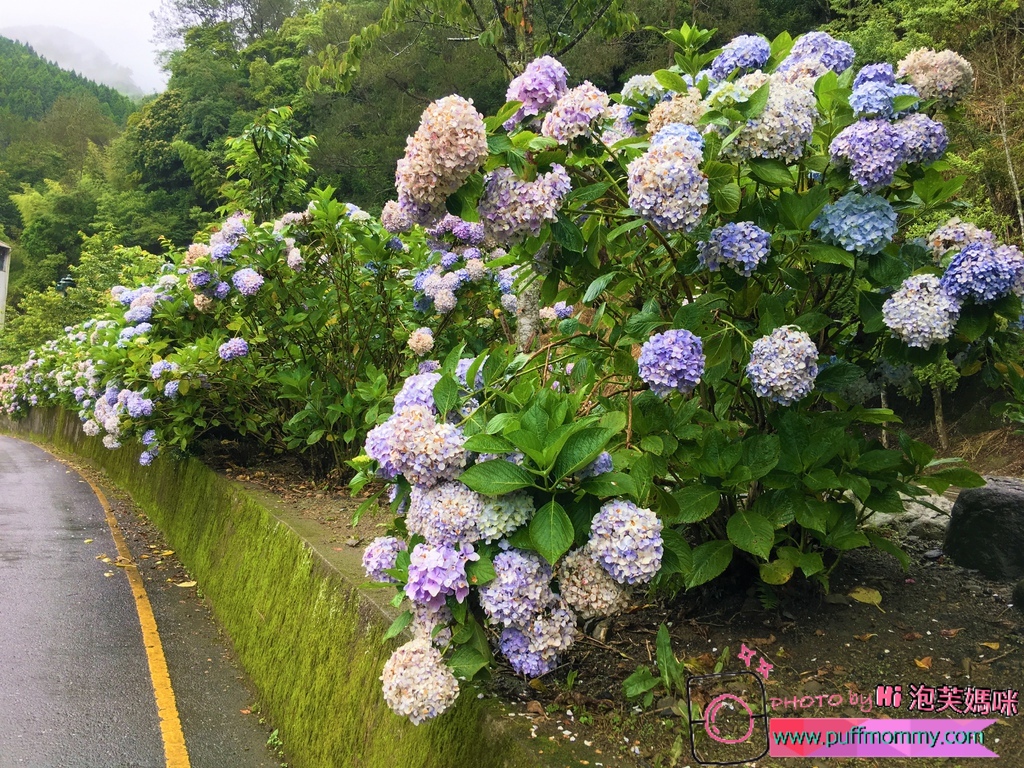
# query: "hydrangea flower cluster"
{"points": [[421, 341], [380, 556], [924, 140], [449, 145], [501, 515], [983, 273], [667, 187], [955, 234], [621, 126], [541, 85], [783, 365], [881, 73], [575, 113], [417, 682], [588, 588], [511, 209], [943, 75], [520, 590], [876, 99], [644, 90], [874, 150], [672, 361], [603, 464], [687, 108], [248, 281], [533, 649], [448, 512], [437, 571], [743, 246], [822, 48], [921, 313], [233, 348], [858, 223], [626, 541], [743, 52], [414, 444], [418, 389], [783, 130]]}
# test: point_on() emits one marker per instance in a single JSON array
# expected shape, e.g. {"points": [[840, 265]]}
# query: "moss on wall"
{"points": [[303, 631]]}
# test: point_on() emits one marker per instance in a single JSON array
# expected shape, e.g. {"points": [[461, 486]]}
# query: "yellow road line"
{"points": [[170, 724]]}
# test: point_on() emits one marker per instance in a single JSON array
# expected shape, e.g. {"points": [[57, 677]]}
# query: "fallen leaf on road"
{"points": [[912, 636], [925, 663], [88, 541], [167, 553], [245, 711], [535, 708], [865, 637], [186, 584], [105, 559], [108, 574], [991, 646], [950, 632], [867, 595]]}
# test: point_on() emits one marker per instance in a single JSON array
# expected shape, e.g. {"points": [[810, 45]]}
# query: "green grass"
{"points": [[307, 638]]}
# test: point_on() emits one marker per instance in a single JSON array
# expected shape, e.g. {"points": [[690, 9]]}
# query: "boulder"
{"points": [[986, 529]]}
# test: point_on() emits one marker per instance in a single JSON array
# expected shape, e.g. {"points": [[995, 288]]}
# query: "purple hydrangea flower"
{"points": [[520, 590], [161, 367], [138, 406], [783, 365], [222, 251], [575, 113], [563, 311], [858, 223], [438, 571], [381, 555], [875, 99], [146, 458], [171, 389], [221, 290], [599, 466], [233, 348], [418, 389], [197, 280], [446, 513], [247, 281], [149, 437], [541, 85], [515, 646], [417, 683], [833, 54], [511, 209], [626, 541], [743, 52], [667, 187], [924, 139], [672, 361], [874, 150], [743, 246]]}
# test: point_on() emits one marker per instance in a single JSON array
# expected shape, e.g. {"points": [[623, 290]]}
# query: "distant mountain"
{"points": [[77, 54], [29, 84]]}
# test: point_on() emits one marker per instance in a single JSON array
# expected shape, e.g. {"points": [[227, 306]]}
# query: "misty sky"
{"points": [[122, 28]]}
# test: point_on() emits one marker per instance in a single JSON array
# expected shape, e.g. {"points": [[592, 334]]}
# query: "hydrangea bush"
{"points": [[721, 270]]}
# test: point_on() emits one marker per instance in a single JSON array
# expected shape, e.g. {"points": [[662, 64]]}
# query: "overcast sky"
{"points": [[122, 28]]}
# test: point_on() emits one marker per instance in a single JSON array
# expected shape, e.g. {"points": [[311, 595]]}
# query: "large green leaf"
{"points": [[761, 454], [709, 561], [610, 484], [580, 449], [696, 502], [551, 531], [485, 443], [446, 394], [776, 572], [496, 477], [467, 661], [751, 532], [774, 173]]}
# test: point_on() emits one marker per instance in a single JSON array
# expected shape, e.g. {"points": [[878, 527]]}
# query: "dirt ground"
{"points": [[937, 625]]}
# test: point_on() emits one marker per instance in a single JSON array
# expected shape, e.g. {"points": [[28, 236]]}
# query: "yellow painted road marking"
{"points": [[170, 724]]}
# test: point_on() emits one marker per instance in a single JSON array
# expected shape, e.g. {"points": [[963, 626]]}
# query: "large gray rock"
{"points": [[986, 529]]}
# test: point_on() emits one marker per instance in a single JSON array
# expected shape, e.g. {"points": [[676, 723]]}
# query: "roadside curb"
{"points": [[304, 631]]}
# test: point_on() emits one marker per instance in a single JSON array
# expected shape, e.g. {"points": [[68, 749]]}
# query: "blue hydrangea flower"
{"points": [[515, 646], [783, 365], [743, 52], [741, 245], [599, 466], [233, 348], [875, 99], [833, 54], [874, 150], [161, 367], [146, 457], [138, 314], [858, 223], [875, 73], [221, 290], [138, 406], [983, 273], [171, 389], [197, 280], [222, 251], [921, 313], [672, 361], [149, 437], [626, 541], [674, 132], [667, 187]]}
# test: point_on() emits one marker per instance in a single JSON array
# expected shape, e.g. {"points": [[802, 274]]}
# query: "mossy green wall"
{"points": [[307, 637]]}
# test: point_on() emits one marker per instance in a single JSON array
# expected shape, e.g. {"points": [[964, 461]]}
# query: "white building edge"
{"points": [[5, 269]]}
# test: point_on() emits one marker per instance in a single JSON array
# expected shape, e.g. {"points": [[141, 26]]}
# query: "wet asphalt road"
{"points": [[75, 687]]}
